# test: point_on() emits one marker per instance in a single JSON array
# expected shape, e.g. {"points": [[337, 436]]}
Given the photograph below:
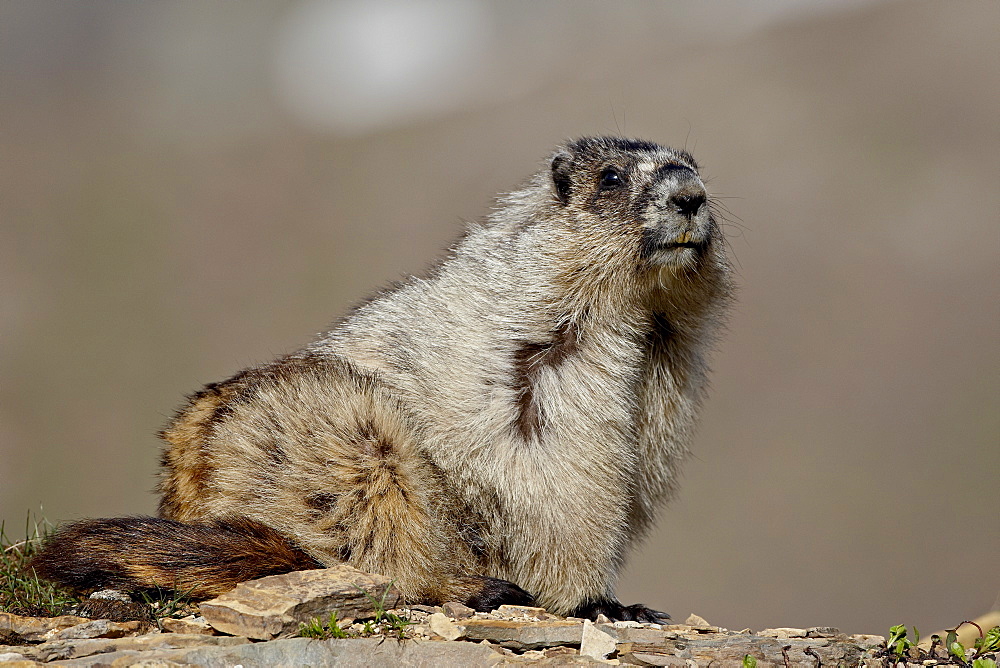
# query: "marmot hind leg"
{"points": [[323, 453]]}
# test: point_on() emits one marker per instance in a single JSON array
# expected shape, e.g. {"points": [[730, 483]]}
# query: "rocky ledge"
{"points": [[357, 619]]}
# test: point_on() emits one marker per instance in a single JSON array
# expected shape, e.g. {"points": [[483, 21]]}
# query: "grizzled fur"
{"points": [[142, 553], [501, 431]]}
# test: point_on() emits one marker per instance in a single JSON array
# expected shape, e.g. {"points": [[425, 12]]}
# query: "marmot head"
{"points": [[646, 199]]}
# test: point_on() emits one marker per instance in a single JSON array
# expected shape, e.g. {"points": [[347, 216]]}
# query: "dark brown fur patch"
{"points": [[148, 553], [321, 501], [116, 611], [529, 360], [662, 343], [660, 330], [373, 443]]}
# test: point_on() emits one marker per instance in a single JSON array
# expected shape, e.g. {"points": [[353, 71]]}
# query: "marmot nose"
{"points": [[688, 203]]}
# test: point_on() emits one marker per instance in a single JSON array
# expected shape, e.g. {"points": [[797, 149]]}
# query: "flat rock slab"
{"points": [[102, 628], [276, 605], [730, 649], [63, 650], [18, 629], [358, 653], [523, 635], [190, 624]]}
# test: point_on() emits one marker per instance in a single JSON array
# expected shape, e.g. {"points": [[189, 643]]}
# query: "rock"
{"points": [[522, 612], [700, 625], [190, 624], [730, 648], [630, 655], [596, 643], [782, 633], [15, 628], [64, 650], [457, 610], [354, 653], [555, 656], [101, 628], [868, 641], [444, 627], [555, 652], [276, 605], [16, 660], [641, 635], [521, 635], [111, 595], [695, 620]]}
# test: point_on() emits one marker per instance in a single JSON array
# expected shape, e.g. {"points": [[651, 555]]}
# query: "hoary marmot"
{"points": [[501, 431]]}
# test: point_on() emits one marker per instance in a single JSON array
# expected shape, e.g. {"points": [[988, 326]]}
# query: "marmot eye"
{"points": [[610, 178]]}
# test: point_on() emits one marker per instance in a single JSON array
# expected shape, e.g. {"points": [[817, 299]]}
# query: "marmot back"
{"points": [[500, 432]]}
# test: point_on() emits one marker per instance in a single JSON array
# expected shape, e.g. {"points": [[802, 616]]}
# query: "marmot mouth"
{"points": [[685, 240], [654, 242]]}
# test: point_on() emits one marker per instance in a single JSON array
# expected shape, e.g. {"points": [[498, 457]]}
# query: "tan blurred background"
{"points": [[190, 188]]}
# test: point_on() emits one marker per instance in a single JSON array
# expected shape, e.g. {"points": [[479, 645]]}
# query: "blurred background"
{"points": [[192, 188]]}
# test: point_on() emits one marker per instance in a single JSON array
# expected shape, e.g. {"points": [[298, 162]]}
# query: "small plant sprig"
{"points": [[899, 644], [389, 622], [986, 642], [989, 641], [316, 629], [900, 647], [170, 603], [384, 623]]}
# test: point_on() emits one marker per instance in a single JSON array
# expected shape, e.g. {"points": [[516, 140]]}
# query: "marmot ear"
{"points": [[561, 182]]}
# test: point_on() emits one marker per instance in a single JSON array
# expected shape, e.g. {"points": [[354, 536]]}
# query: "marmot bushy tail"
{"points": [[200, 560], [501, 430]]}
